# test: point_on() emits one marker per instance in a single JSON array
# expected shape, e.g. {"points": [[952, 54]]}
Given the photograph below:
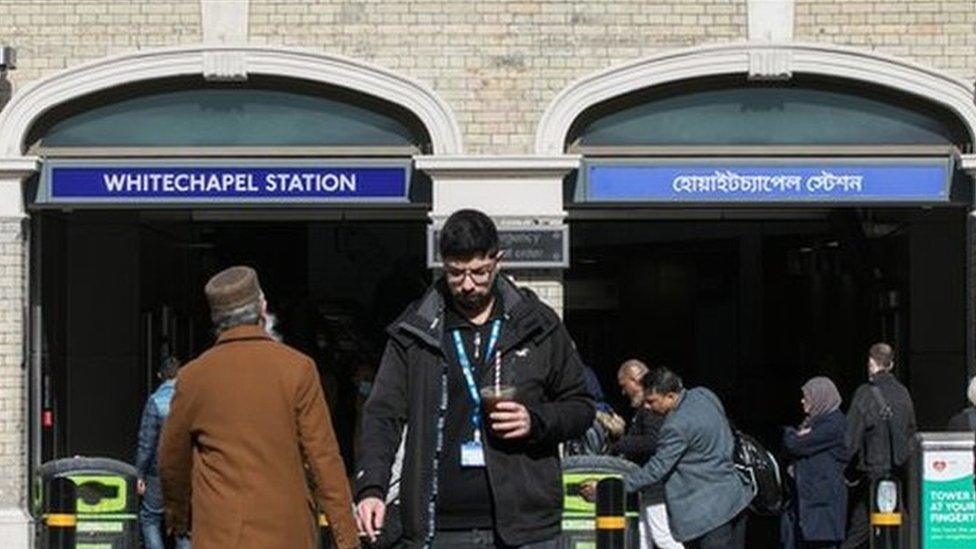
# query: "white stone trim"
{"points": [[520, 189], [32, 101], [968, 163], [22, 166], [224, 21], [16, 528], [476, 166], [821, 59], [770, 20]]}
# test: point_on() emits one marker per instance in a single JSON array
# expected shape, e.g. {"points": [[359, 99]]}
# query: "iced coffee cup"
{"points": [[491, 395]]}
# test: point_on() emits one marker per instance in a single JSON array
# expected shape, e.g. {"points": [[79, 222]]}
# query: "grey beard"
{"points": [[270, 323]]}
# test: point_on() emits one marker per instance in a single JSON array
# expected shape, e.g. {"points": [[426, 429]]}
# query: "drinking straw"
{"points": [[498, 373]]}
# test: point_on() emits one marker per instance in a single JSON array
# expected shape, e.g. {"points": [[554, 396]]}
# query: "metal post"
{"points": [[611, 521], [60, 518], [886, 514]]}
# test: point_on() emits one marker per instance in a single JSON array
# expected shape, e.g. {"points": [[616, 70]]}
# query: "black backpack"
{"points": [[759, 468], [899, 440]]}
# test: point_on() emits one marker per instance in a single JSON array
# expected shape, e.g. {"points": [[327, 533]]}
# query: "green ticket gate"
{"points": [[579, 515], [107, 505]]}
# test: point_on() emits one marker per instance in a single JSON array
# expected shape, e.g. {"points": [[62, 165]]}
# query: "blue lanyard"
{"points": [[462, 355]]}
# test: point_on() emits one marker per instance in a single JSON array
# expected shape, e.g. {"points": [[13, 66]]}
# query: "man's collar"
{"points": [[882, 374], [244, 331], [681, 398]]}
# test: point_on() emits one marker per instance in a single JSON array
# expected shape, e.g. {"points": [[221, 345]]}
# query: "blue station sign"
{"points": [[230, 182], [807, 180]]}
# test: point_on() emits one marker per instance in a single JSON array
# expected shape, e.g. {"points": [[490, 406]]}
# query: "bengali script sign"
{"points": [[842, 182]]}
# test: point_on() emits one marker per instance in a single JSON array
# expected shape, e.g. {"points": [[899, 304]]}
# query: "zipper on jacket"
{"points": [[435, 466]]}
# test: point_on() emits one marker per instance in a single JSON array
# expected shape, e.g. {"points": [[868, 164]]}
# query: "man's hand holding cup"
{"points": [[508, 418]]}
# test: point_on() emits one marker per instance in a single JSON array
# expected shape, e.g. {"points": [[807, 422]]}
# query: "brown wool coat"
{"points": [[246, 417]]}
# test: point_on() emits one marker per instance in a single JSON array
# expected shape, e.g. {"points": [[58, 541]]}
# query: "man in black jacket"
{"points": [[638, 445], [471, 479], [880, 427]]}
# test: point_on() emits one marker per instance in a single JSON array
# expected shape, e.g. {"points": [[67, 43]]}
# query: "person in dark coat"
{"points": [[638, 445], [966, 419], [817, 515], [470, 476], [706, 497], [880, 427]]}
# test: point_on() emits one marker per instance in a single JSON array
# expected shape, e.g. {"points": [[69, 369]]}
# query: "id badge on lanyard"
{"points": [[473, 451]]}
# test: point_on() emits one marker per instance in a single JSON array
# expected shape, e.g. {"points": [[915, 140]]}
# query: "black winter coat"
{"points": [[964, 420], [819, 457], [639, 444], [867, 435], [525, 476]]}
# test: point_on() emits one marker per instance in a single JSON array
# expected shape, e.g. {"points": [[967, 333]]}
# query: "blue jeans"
{"points": [[151, 512]]}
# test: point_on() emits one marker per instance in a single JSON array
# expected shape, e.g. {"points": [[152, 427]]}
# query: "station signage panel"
{"points": [[532, 247], [224, 182], [948, 500], [774, 180]]}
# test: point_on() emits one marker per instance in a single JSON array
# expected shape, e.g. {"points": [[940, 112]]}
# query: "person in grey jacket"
{"points": [[706, 497], [638, 445]]}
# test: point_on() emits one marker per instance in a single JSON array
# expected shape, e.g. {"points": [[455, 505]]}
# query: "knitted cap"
{"points": [[232, 289]]}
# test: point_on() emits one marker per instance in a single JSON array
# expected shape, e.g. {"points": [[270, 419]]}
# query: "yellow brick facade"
{"points": [[497, 64], [941, 35]]}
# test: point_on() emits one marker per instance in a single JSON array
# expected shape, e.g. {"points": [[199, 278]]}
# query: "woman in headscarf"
{"points": [[817, 515]]}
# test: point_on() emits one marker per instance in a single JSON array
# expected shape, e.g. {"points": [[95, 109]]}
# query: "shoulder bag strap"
{"points": [[886, 414]]}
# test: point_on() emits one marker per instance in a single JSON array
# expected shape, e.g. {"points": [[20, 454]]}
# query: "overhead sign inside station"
{"points": [[297, 182], [772, 180], [531, 247]]}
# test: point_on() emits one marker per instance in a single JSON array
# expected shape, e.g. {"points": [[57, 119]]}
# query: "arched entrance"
{"points": [[754, 215], [155, 169], [705, 236]]}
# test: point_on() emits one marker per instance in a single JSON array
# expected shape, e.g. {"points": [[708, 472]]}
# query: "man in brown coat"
{"points": [[247, 419]]}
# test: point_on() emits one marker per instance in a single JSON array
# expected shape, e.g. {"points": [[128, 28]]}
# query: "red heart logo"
{"points": [[939, 465]]}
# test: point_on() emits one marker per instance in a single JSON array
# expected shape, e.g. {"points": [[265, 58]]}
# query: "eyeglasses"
{"points": [[481, 275]]}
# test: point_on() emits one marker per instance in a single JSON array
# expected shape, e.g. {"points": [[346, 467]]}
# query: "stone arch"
{"points": [[867, 67], [226, 62]]}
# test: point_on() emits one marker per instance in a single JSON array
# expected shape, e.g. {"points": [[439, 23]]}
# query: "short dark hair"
{"points": [[883, 355], [662, 381], [169, 366], [468, 233]]}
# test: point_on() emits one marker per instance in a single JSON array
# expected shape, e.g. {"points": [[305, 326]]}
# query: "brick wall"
{"points": [[547, 284], [13, 452], [497, 63], [938, 34], [55, 34]]}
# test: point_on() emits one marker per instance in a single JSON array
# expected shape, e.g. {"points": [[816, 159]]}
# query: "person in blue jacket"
{"points": [[816, 518], [151, 510]]}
